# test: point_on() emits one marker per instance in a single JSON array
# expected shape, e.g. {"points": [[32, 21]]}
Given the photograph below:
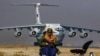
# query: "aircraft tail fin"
{"points": [[36, 5]]}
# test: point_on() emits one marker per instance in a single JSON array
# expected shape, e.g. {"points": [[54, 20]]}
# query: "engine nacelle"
{"points": [[18, 34], [84, 35], [72, 34], [34, 32]]}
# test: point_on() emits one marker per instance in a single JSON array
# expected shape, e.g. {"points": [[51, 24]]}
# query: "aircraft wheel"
{"points": [[36, 44]]}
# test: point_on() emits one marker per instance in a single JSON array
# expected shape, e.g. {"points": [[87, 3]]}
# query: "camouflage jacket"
{"points": [[42, 42]]}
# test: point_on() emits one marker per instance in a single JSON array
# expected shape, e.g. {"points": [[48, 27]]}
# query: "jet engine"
{"points": [[18, 34], [72, 33], [84, 35], [34, 32]]}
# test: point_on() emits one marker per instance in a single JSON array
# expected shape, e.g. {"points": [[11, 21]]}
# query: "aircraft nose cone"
{"points": [[60, 37]]}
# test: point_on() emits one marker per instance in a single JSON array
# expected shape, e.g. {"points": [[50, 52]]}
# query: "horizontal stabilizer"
{"points": [[34, 4]]}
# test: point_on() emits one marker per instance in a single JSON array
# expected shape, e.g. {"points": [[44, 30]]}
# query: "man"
{"points": [[48, 43]]}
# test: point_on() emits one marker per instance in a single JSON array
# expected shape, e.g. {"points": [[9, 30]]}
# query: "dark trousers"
{"points": [[48, 51]]}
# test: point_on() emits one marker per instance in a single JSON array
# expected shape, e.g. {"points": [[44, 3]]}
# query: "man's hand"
{"points": [[46, 43]]}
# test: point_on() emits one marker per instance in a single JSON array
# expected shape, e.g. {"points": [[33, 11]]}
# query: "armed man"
{"points": [[48, 43]]}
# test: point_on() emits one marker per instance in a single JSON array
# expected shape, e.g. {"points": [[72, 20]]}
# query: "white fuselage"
{"points": [[58, 30]]}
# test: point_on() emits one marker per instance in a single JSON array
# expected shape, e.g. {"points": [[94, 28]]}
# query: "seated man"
{"points": [[48, 44]]}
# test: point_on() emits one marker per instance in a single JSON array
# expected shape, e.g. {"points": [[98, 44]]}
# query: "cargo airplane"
{"points": [[37, 29]]}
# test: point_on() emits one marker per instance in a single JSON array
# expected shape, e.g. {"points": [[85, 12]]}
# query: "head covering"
{"points": [[49, 30], [48, 38]]}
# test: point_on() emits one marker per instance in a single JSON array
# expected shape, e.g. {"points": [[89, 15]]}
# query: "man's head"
{"points": [[49, 31]]}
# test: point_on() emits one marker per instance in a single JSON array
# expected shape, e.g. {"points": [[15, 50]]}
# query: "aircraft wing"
{"points": [[22, 27], [80, 29]]}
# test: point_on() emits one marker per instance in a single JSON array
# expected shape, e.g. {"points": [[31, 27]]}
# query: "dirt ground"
{"points": [[34, 50]]}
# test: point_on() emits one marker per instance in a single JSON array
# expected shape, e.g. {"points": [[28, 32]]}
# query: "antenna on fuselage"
{"points": [[36, 5]]}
